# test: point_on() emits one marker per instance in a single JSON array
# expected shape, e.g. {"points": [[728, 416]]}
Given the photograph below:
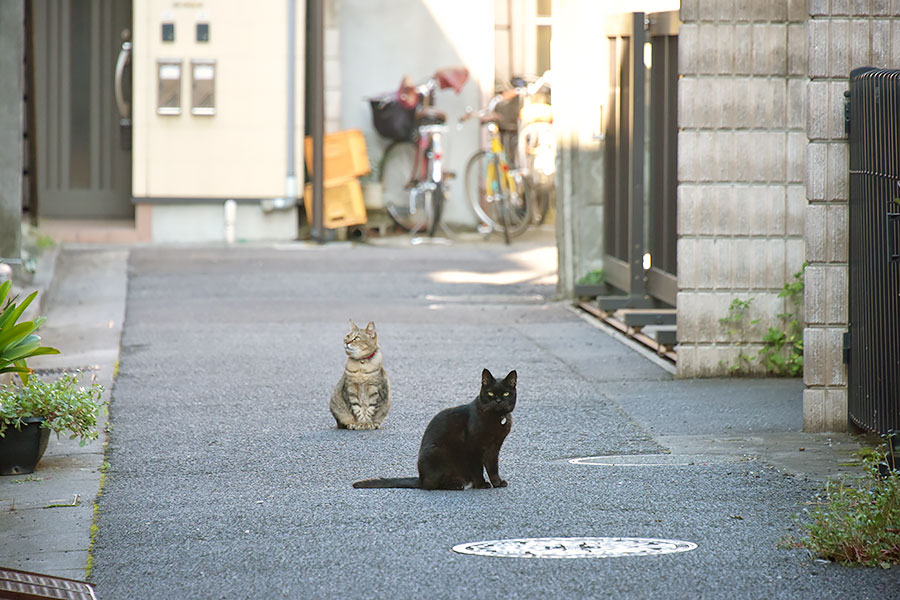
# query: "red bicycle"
{"points": [[411, 171]]}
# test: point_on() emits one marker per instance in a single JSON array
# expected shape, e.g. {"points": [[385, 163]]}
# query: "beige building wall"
{"points": [[741, 172], [240, 152], [842, 37]]}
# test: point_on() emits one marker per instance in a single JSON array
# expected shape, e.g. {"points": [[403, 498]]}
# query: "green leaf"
{"points": [[17, 312], [24, 371], [14, 334], [22, 351], [44, 350]]}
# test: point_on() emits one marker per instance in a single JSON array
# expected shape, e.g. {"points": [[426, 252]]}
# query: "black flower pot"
{"points": [[21, 449]]}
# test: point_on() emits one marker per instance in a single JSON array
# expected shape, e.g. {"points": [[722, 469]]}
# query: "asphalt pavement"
{"points": [[225, 475]]}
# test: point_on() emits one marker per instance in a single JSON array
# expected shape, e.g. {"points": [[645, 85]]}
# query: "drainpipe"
{"points": [[317, 114], [290, 181]]}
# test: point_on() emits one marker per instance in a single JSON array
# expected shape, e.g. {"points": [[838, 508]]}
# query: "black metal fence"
{"points": [[873, 344], [639, 204]]}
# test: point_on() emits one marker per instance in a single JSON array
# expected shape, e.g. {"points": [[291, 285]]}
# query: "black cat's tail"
{"points": [[391, 482]]}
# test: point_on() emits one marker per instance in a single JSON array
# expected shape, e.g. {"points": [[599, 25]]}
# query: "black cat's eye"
{"points": [[491, 394], [505, 394]]}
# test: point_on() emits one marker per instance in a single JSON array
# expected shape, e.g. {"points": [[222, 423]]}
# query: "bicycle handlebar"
{"points": [[528, 89]]}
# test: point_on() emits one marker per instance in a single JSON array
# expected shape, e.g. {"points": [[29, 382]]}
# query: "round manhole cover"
{"points": [[575, 547]]}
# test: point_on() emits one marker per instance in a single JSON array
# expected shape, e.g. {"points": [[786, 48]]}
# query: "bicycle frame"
{"points": [[496, 183], [428, 171]]}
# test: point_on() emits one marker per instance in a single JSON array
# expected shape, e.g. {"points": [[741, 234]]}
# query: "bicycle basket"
{"points": [[392, 119]]}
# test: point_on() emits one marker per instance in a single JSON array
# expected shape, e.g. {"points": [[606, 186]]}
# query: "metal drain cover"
{"points": [[574, 547]]}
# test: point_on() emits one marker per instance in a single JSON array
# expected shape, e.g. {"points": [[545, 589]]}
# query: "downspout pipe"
{"points": [[317, 116], [290, 181]]}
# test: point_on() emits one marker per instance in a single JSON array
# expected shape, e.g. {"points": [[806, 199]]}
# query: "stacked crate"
{"points": [[345, 159]]}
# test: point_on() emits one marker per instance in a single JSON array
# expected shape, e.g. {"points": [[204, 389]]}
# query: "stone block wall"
{"points": [[741, 171], [843, 35]]}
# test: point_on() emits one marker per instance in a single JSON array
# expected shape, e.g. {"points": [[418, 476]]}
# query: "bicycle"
{"points": [[503, 195], [411, 171]]}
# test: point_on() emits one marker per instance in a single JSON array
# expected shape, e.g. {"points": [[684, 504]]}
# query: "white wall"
{"points": [[383, 40]]}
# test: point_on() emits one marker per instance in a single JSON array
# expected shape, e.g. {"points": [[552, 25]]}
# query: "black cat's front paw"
{"points": [[481, 485], [501, 483]]}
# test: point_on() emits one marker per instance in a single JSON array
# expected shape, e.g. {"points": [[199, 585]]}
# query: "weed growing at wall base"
{"points": [[782, 350], [854, 524]]}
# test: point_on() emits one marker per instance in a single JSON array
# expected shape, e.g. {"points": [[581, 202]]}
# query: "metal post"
{"points": [[30, 116], [291, 171], [636, 174], [317, 113]]}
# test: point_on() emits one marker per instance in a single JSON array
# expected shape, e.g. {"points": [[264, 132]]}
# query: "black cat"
{"points": [[460, 443]]}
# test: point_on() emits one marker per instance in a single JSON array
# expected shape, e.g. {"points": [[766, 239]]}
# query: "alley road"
{"points": [[228, 479]]}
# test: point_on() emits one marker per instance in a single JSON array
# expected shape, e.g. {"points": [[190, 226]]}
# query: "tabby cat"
{"points": [[362, 397], [460, 443]]}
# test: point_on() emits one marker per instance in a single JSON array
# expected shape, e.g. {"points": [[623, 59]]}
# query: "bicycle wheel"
{"points": [[511, 207], [476, 190], [542, 197], [402, 202], [538, 146]]}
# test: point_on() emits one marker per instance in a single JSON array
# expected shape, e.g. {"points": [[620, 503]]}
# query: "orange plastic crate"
{"points": [[343, 203], [344, 153]]}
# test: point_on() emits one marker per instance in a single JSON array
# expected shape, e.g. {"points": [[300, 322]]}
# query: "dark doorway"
{"points": [[83, 159]]}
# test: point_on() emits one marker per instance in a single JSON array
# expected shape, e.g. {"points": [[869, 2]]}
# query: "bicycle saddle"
{"points": [[453, 77], [431, 116]]}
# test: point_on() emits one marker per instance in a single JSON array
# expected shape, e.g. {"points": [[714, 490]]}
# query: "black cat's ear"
{"points": [[510, 378], [370, 328], [486, 378]]}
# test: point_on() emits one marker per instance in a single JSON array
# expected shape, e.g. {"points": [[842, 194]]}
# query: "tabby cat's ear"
{"points": [[510, 379], [486, 378], [370, 328], [353, 326]]}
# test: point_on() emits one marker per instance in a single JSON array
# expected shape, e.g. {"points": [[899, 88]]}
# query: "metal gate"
{"points": [[639, 203], [873, 340], [662, 200]]}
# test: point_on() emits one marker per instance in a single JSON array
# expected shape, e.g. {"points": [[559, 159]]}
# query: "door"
{"points": [[83, 152]]}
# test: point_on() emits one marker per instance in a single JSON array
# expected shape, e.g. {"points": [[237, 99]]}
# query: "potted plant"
{"points": [[28, 413]]}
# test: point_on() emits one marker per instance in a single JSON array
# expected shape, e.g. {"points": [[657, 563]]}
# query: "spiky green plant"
{"points": [[18, 341]]}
